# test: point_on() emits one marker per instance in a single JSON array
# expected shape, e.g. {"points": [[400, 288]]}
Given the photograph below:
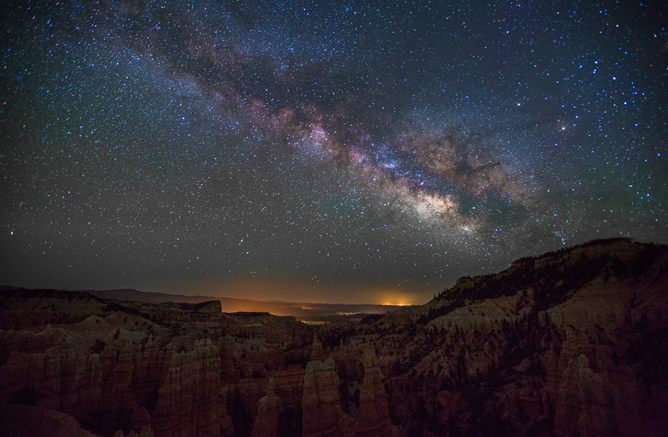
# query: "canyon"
{"points": [[570, 343]]}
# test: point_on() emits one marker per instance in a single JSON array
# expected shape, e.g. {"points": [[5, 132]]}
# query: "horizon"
{"points": [[251, 289], [349, 152], [388, 299], [215, 296]]}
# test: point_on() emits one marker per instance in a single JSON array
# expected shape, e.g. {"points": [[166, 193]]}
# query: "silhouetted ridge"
{"points": [[44, 293]]}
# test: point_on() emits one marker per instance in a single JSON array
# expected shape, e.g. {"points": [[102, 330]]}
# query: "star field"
{"points": [[350, 149]]}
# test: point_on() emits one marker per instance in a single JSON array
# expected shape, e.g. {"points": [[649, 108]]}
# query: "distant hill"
{"points": [[308, 312]]}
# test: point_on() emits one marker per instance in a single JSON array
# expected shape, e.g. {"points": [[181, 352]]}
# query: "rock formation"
{"points": [[572, 343], [289, 386], [316, 349], [546, 347], [21, 420], [188, 397], [321, 403], [374, 414], [269, 408], [131, 367]]}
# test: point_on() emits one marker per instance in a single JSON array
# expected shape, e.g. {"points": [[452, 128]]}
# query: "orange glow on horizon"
{"points": [[399, 298], [302, 290]]}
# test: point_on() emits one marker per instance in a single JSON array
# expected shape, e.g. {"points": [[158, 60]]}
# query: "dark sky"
{"points": [[324, 151]]}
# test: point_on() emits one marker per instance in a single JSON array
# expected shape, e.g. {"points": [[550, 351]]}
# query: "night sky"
{"points": [[323, 151]]}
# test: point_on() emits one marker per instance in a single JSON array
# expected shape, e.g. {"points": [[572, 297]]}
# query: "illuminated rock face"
{"points": [[188, 398], [374, 414], [289, 386], [321, 403]]}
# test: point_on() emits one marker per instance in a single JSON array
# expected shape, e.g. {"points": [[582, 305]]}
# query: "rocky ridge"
{"points": [[570, 343]]}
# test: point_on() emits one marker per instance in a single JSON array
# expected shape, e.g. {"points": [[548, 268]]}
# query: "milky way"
{"points": [[340, 147]]}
